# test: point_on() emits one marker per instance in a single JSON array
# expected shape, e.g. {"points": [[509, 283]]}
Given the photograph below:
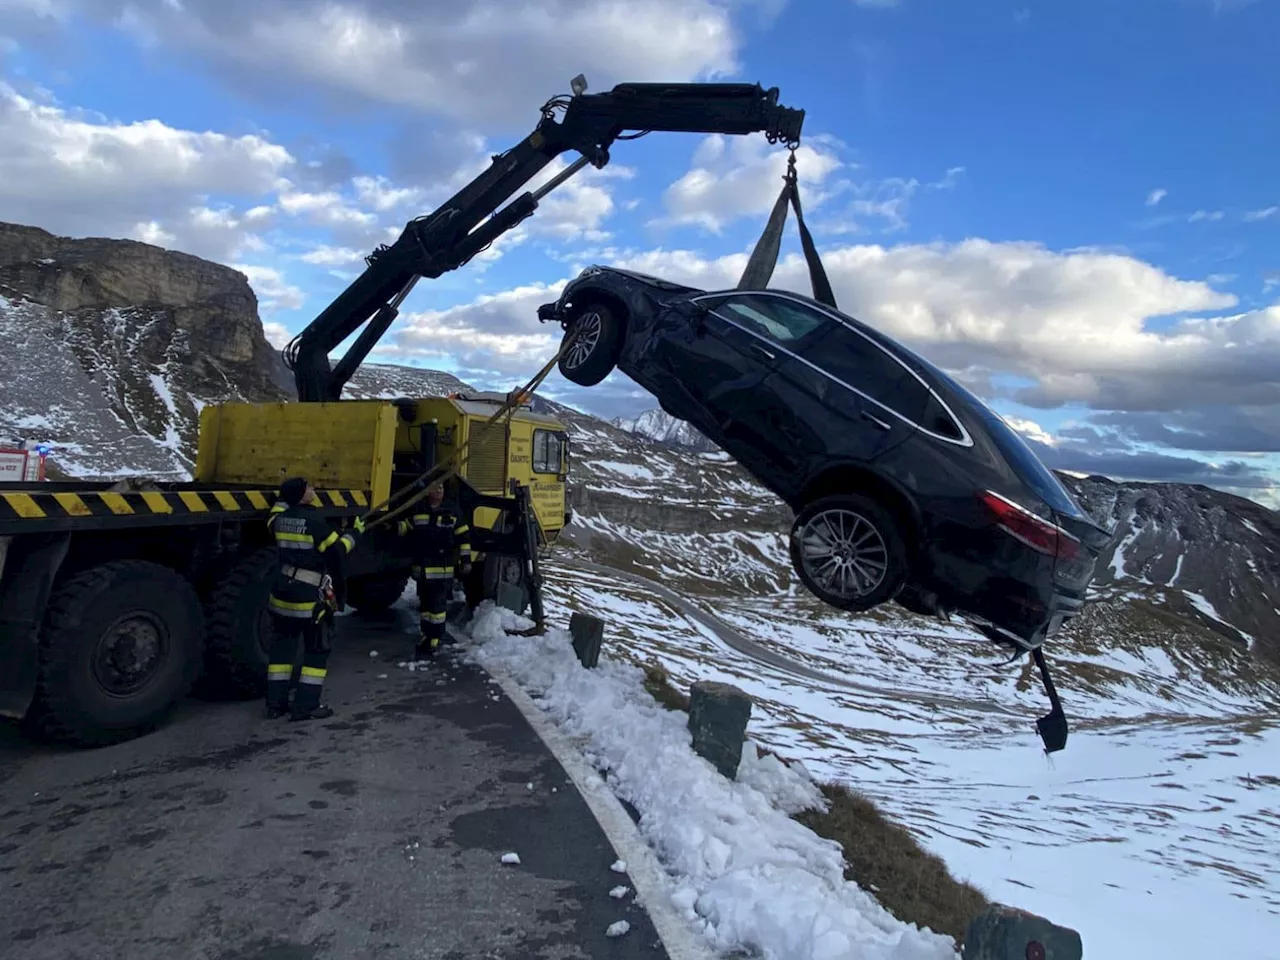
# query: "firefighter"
{"points": [[440, 543], [310, 587]]}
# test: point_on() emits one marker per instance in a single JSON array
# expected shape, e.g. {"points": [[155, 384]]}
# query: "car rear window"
{"points": [[1021, 457]]}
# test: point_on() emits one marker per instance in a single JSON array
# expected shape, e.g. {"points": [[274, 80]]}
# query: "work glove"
{"points": [[359, 524], [465, 568]]}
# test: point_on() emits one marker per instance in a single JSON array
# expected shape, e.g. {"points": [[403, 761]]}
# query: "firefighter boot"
{"points": [[315, 658]]}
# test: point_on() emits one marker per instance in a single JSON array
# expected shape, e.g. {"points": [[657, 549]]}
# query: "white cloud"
{"points": [[327, 256], [276, 334], [1031, 430], [1212, 215], [77, 174], [740, 176], [1264, 214], [1077, 324], [274, 292], [496, 59], [1156, 195]]}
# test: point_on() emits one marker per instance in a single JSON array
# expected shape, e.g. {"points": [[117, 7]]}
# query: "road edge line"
{"points": [[643, 869]]}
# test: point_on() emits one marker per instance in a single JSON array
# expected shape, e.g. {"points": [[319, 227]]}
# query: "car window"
{"points": [[863, 365], [781, 320], [1029, 468]]}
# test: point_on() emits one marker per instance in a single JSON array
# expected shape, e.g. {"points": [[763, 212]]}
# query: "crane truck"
{"points": [[115, 599]]}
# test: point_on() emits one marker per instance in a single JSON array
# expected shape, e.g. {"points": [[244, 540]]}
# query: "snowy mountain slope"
{"points": [[660, 426], [1161, 812], [112, 348]]}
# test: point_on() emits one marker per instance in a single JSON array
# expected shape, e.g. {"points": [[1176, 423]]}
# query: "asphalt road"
{"points": [[375, 834]]}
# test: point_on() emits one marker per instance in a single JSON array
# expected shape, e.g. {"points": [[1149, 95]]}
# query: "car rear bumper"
{"points": [[1011, 595]]}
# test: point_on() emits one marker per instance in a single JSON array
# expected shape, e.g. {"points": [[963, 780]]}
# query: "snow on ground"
{"points": [[1155, 833], [742, 871]]}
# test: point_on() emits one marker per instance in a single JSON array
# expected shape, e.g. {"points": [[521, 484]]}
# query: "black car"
{"points": [[904, 485]]}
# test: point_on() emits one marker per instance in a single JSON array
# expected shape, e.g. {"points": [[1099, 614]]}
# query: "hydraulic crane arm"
{"points": [[474, 217]]}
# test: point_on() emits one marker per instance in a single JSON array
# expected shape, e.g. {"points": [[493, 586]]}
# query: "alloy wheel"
{"points": [[844, 553], [587, 330]]}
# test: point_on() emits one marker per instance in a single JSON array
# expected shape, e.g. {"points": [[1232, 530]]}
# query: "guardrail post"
{"points": [[718, 715], [1007, 933], [588, 636]]}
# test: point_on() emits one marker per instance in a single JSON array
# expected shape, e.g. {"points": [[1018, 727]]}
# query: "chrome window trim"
{"points": [[966, 439]]}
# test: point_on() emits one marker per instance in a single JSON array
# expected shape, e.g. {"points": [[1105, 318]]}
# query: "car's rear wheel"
{"points": [[849, 552], [591, 356]]}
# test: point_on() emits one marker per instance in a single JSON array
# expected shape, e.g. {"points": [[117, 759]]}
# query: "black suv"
{"points": [[904, 485]]}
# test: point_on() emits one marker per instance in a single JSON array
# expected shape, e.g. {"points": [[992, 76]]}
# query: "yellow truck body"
{"points": [[379, 445]]}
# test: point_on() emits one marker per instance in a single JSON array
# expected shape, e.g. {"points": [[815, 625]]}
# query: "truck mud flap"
{"points": [[30, 564]]}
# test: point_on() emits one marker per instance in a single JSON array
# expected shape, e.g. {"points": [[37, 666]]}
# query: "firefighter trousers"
{"points": [[433, 601], [317, 643]]}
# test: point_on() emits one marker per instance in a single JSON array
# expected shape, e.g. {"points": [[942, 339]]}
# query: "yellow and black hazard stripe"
{"points": [[33, 509]]}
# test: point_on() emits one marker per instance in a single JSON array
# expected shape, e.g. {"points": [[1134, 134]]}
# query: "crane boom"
{"points": [[474, 217]]}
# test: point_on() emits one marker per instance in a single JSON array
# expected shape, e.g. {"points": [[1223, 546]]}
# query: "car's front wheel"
{"points": [[591, 355], [849, 552]]}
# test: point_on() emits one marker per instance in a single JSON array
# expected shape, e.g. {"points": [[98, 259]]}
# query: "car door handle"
{"points": [[876, 420], [767, 354]]}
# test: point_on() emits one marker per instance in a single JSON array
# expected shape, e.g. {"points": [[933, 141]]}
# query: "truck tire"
{"points": [[376, 593], [119, 647], [238, 636]]}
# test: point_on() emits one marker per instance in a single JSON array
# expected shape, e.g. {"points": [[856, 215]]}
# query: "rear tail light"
{"points": [[1027, 528]]}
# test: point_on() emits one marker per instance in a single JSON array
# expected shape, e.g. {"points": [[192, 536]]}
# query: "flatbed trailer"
{"points": [[115, 603]]}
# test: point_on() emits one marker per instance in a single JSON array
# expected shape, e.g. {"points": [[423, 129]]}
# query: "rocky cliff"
{"points": [[113, 346]]}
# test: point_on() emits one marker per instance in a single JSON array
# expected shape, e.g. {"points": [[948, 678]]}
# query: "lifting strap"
{"points": [[764, 257]]}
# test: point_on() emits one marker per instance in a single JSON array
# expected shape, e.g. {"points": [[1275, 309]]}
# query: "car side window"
{"points": [[782, 320], [867, 368]]}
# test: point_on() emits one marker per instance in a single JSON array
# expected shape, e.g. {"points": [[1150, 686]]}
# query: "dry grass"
{"points": [[881, 856]]}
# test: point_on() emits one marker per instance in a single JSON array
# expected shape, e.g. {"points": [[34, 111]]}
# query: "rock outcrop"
{"points": [[113, 346]]}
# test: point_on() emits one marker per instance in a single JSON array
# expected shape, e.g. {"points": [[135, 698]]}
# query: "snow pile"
{"points": [[741, 870]]}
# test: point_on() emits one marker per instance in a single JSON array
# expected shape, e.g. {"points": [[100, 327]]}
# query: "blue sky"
{"points": [[1072, 207]]}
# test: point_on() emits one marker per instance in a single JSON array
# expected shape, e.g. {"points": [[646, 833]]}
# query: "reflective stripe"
{"points": [[294, 545], [315, 673], [348, 541], [306, 576], [314, 681], [295, 538], [461, 528], [279, 671], [286, 608], [327, 542], [447, 575], [433, 617]]}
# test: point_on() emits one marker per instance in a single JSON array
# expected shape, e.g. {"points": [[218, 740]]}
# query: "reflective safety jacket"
{"points": [[308, 549], [438, 541]]}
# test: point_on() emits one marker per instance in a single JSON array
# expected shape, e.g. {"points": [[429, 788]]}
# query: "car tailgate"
{"points": [[1077, 570]]}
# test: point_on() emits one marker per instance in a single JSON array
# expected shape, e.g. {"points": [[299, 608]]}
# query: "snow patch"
{"points": [[741, 870]]}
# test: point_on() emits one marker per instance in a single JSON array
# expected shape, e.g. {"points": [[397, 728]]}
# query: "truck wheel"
{"points": [[373, 594], [239, 631], [848, 552], [120, 646], [592, 355]]}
